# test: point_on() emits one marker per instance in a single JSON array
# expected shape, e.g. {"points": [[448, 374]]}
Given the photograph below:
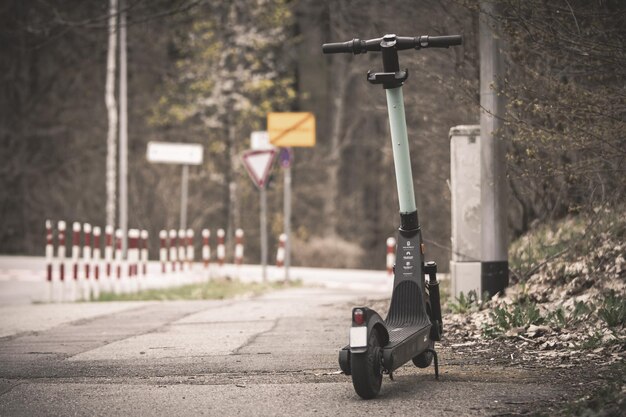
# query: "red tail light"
{"points": [[358, 316]]}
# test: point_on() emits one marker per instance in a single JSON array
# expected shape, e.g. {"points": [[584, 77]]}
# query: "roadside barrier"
{"points": [[75, 261], [280, 253], [85, 284], [49, 259], [238, 247], [206, 247], [75, 249], [182, 256], [87, 249], [133, 260], [49, 250], [144, 253], [191, 253], [108, 250], [98, 263], [117, 284], [391, 255], [173, 250], [163, 250], [61, 258], [221, 251]]}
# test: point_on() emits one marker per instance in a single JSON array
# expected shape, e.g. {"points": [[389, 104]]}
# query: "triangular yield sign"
{"points": [[258, 164]]}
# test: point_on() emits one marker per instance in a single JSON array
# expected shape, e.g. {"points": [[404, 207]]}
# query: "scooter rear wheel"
{"points": [[424, 359], [366, 368]]}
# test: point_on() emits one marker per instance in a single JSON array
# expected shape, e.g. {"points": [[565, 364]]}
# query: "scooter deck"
{"points": [[399, 334], [407, 323]]}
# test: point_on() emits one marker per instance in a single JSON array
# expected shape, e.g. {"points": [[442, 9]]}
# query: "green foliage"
{"points": [[613, 310], [465, 304], [543, 243], [508, 317], [563, 318], [230, 67], [592, 342], [207, 291]]}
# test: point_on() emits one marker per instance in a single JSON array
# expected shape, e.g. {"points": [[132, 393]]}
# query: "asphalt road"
{"points": [[272, 355]]}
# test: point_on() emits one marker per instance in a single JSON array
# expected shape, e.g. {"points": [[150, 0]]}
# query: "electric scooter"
{"points": [[413, 323]]}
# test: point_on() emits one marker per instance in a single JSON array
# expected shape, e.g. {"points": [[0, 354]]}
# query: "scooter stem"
{"points": [[400, 145]]}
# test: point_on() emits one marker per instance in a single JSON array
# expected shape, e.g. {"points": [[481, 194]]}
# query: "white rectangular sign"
{"points": [[260, 141], [175, 153]]}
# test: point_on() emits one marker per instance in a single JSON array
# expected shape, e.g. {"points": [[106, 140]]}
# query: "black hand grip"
{"points": [[355, 46], [337, 48], [440, 41]]}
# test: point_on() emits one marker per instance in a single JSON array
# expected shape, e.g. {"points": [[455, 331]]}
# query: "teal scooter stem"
{"points": [[413, 323], [400, 146]]}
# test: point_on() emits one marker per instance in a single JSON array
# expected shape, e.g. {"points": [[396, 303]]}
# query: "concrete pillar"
{"points": [[465, 265]]}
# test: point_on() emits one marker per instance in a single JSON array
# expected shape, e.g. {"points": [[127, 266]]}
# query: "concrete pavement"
{"points": [[271, 355]]}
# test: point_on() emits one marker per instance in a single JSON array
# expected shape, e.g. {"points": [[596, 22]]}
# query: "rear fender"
{"points": [[373, 322]]}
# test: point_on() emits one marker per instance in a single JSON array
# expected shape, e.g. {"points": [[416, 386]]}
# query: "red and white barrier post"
{"points": [[191, 253], [108, 250], [144, 257], [61, 257], [96, 262], [133, 259], [75, 259], [117, 285], [181, 249], [238, 251], [238, 247], [391, 255], [221, 251], [173, 250], [49, 259], [206, 248], [86, 284], [163, 250], [87, 250], [280, 253]]}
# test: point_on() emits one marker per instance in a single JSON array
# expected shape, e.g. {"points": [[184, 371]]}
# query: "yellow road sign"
{"points": [[291, 129]]}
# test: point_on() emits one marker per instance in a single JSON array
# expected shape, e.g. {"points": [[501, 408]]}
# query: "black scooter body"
{"points": [[413, 323], [410, 326]]}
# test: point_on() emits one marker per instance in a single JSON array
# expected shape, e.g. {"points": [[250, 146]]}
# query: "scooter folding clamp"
{"points": [[388, 79]]}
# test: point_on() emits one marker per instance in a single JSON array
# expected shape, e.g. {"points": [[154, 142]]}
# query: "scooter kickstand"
{"points": [[436, 362]]}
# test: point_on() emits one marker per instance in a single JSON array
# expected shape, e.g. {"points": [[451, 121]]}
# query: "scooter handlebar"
{"points": [[358, 46]]}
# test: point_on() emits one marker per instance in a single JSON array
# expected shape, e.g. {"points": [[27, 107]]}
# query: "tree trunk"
{"points": [[232, 186], [331, 217], [111, 105]]}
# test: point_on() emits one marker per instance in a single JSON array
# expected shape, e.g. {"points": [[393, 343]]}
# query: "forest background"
{"points": [[208, 72]]}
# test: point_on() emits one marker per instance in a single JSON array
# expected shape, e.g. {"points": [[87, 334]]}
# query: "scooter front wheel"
{"points": [[366, 368], [424, 359]]}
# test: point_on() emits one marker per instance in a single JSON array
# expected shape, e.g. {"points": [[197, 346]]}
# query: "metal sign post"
{"points": [[178, 153], [258, 164], [290, 130], [263, 222], [184, 186], [286, 159]]}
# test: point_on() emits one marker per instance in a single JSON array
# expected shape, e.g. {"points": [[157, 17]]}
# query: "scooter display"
{"points": [[413, 323]]}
